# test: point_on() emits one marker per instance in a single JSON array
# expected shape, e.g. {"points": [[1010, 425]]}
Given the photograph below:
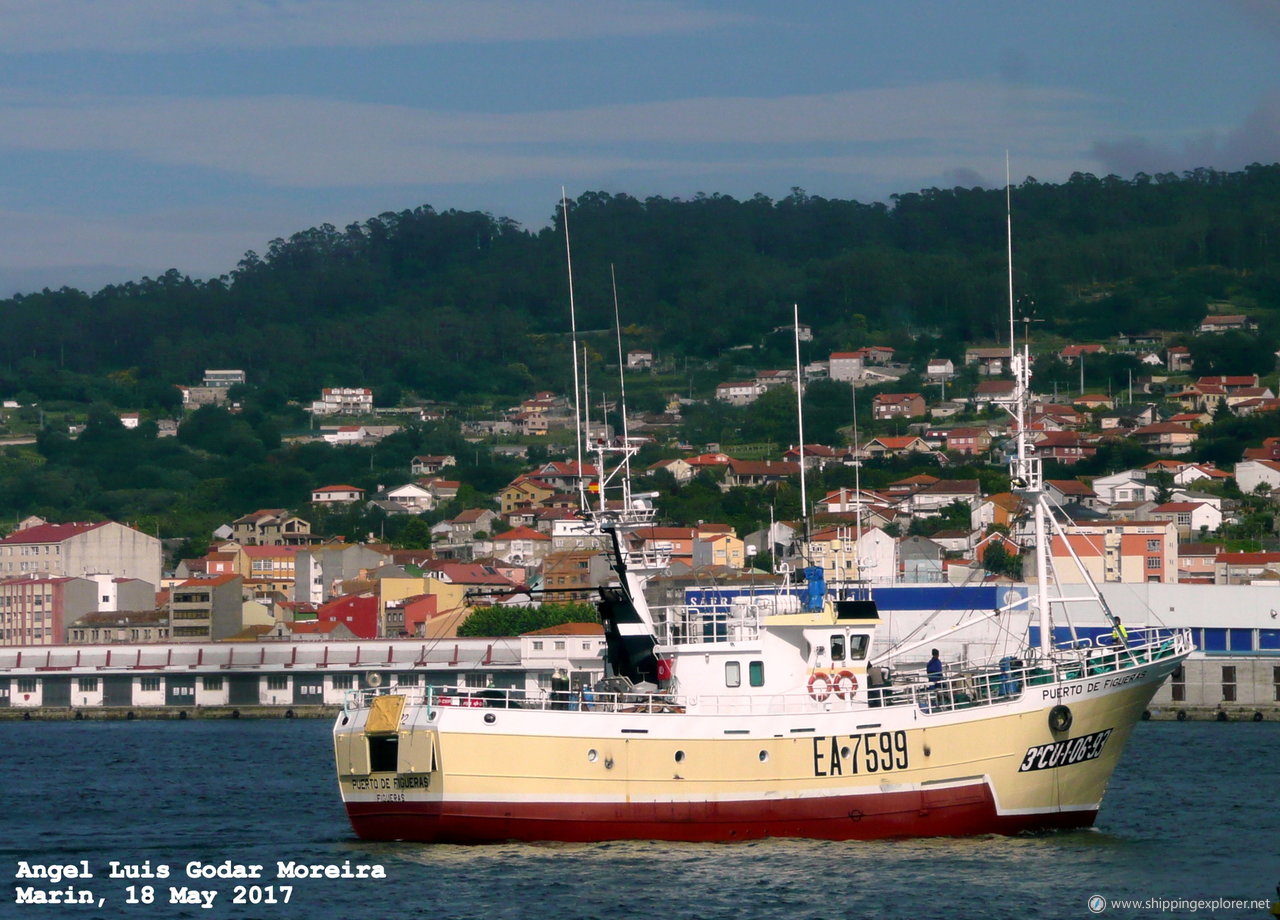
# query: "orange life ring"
{"points": [[819, 685], [846, 684]]}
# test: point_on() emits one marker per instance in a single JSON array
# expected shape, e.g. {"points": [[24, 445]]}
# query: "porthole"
{"points": [[844, 753], [764, 756], [679, 756], [592, 755]]}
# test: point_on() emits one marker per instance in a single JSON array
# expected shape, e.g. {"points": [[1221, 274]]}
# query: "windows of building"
{"points": [[1178, 685], [1228, 683], [277, 682], [147, 684], [211, 683]]}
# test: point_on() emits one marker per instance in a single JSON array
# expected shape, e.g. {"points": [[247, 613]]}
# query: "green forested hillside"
{"points": [[447, 304], [473, 309]]}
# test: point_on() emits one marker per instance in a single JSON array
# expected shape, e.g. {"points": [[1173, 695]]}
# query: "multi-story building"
{"points": [[271, 527], [80, 549], [897, 405], [119, 626], [201, 609], [344, 401], [271, 564], [738, 392], [319, 571], [37, 610], [1133, 552], [569, 577], [223, 379], [846, 366]]}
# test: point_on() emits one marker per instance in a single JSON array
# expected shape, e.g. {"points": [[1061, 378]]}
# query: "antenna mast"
{"points": [[573, 325], [804, 502], [622, 376]]}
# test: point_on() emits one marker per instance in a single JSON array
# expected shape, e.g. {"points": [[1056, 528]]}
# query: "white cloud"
{"points": [[312, 143], [133, 26]]}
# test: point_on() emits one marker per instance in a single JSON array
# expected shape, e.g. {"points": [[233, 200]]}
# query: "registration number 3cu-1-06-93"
{"points": [[869, 752]]}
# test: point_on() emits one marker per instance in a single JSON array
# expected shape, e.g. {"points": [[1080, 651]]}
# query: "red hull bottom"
{"points": [[957, 812]]}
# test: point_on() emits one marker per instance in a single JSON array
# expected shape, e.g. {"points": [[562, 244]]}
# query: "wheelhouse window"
{"points": [[755, 673], [732, 674]]}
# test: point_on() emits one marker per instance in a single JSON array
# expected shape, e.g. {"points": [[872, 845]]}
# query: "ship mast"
{"points": [[804, 502], [1027, 473], [573, 325]]}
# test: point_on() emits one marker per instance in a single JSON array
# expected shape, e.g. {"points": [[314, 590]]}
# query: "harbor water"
{"points": [[1189, 828]]}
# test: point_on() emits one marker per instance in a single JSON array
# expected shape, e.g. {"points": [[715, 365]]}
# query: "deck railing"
{"points": [[962, 687]]}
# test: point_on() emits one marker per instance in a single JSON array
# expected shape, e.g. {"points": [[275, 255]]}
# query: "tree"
{"points": [[493, 622], [999, 561]]}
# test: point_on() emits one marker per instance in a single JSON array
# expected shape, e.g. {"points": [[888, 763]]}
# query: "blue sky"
{"points": [[142, 135]]}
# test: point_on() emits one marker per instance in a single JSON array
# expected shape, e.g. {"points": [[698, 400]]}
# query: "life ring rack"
{"points": [[819, 686]]}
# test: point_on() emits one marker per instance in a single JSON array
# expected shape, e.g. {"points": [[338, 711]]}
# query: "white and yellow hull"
{"points": [[470, 775]]}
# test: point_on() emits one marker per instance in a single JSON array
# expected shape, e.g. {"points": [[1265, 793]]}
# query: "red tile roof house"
{"points": [[968, 441], [1164, 438], [815, 456], [1066, 491], [1230, 382], [759, 472], [1064, 446], [897, 405], [1073, 353], [904, 444], [1226, 322], [522, 545], [994, 391]]}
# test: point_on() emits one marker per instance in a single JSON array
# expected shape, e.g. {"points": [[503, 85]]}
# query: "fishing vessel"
{"points": [[783, 713]]}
